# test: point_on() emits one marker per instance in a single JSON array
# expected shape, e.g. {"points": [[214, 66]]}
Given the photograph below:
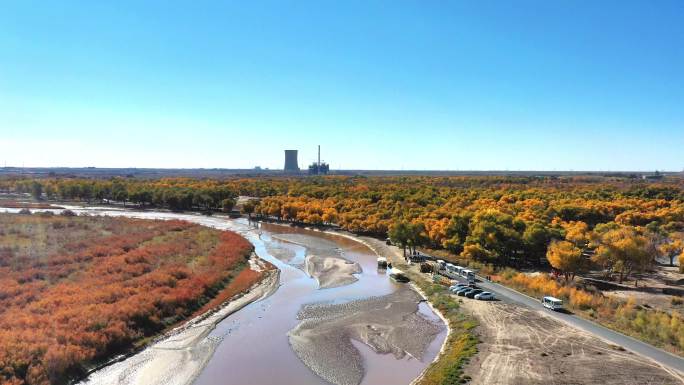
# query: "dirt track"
{"points": [[524, 346]]}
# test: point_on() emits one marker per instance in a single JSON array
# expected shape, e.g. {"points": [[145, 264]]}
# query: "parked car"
{"points": [[457, 287], [464, 291], [485, 296], [472, 293]]}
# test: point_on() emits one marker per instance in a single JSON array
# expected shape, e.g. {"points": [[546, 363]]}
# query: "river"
{"points": [[251, 345]]}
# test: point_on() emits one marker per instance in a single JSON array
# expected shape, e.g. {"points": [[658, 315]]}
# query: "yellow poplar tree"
{"points": [[565, 257]]}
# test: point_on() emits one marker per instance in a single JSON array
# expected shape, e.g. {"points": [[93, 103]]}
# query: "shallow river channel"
{"points": [[251, 346]]}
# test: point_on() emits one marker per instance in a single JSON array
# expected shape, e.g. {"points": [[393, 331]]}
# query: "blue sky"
{"points": [[505, 85]]}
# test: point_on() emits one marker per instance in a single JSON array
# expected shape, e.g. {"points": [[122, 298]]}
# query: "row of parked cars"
{"points": [[469, 291]]}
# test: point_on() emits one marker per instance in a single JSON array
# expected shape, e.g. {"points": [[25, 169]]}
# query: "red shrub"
{"points": [[123, 279]]}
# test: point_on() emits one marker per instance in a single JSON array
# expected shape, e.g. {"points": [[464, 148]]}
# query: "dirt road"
{"points": [[524, 346]]}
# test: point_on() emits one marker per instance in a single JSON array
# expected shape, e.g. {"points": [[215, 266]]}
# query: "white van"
{"points": [[552, 303]]}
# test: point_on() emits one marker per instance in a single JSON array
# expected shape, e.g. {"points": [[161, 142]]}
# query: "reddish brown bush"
{"points": [[79, 289]]}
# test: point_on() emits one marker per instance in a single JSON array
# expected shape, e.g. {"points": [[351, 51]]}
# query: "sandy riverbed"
{"points": [[179, 356], [388, 324], [283, 254], [323, 260]]}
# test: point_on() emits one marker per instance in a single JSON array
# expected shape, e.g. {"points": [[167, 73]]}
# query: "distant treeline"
{"points": [[495, 219]]}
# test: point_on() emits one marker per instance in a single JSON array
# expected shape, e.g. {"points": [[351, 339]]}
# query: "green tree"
{"points": [[119, 193], [400, 233], [536, 238], [36, 190], [227, 205], [248, 208], [416, 236], [456, 232], [498, 233]]}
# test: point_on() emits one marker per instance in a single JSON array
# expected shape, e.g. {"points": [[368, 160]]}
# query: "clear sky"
{"points": [[472, 85]]}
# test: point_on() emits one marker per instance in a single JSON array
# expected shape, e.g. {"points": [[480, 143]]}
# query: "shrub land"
{"points": [[76, 290]]}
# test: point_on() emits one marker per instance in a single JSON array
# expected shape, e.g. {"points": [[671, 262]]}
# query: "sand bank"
{"points": [[388, 324], [323, 261], [331, 271]]}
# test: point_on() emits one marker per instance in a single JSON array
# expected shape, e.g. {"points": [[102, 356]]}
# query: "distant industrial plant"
{"points": [[292, 165], [319, 168]]}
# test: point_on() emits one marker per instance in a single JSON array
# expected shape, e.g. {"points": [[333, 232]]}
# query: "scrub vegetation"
{"points": [[76, 290], [462, 342]]}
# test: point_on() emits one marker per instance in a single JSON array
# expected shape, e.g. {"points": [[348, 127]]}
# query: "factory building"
{"points": [[319, 168]]}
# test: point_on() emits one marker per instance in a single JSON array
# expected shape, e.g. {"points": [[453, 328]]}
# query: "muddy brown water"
{"points": [[254, 346]]}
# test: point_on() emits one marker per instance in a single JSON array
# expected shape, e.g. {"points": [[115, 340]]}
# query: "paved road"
{"points": [[658, 355]]}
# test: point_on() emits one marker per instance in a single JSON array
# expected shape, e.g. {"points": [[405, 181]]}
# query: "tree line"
{"points": [[573, 223]]}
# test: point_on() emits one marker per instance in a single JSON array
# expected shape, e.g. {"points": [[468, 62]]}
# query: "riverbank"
{"points": [[178, 356], [461, 342]]}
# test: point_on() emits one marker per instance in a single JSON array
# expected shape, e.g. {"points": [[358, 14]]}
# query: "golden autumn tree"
{"points": [[624, 251], [565, 257], [476, 252], [674, 248], [577, 232]]}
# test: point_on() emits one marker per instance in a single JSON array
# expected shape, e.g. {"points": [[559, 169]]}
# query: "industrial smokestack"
{"points": [[291, 161], [319, 155]]}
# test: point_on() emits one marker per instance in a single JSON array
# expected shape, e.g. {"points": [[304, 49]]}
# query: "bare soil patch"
{"points": [[524, 346]]}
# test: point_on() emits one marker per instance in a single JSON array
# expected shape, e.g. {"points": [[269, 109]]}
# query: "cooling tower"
{"points": [[291, 161]]}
